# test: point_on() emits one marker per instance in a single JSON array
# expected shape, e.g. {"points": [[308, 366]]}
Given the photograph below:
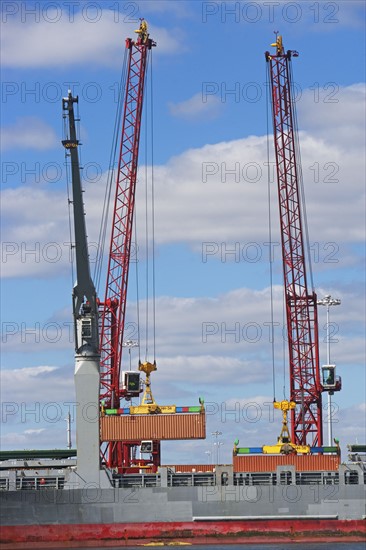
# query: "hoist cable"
{"points": [[300, 178], [284, 325], [147, 250], [110, 181], [110, 176], [149, 242], [137, 288], [270, 237], [153, 208]]}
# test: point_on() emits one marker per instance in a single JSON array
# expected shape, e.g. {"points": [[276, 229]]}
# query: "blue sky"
{"points": [[211, 204]]}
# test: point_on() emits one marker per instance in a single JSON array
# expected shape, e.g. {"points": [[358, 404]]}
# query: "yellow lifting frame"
{"points": [[148, 404], [284, 444]]}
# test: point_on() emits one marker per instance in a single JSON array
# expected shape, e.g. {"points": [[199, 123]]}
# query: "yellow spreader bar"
{"points": [[153, 408]]}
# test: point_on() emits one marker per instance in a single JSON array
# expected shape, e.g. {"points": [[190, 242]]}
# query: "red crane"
{"points": [[113, 309], [301, 304]]}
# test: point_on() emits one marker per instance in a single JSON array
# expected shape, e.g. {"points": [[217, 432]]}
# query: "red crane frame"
{"points": [[301, 306], [113, 309]]}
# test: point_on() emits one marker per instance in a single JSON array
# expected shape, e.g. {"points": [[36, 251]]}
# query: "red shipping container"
{"points": [[302, 463], [153, 426]]}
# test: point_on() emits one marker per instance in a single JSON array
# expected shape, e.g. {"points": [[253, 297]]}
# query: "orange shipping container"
{"points": [[302, 463], [153, 426]]}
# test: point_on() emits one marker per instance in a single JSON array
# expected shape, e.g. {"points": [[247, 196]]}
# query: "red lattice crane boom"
{"points": [[301, 304], [113, 309]]}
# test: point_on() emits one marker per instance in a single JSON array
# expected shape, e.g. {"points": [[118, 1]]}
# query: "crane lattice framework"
{"points": [[113, 309], [301, 305]]}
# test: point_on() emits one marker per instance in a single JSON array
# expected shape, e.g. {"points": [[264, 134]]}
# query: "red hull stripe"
{"points": [[300, 529]]}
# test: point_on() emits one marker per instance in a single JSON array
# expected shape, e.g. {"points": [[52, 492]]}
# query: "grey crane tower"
{"points": [[85, 312]]}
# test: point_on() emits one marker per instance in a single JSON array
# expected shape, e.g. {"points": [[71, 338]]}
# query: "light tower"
{"points": [[216, 434], [328, 370]]}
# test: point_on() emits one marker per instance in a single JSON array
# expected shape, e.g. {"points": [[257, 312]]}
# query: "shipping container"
{"points": [[153, 426], [302, 463]]}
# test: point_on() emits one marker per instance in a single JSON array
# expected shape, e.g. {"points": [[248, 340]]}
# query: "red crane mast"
{"points": [[301, 304], [113, 309]]}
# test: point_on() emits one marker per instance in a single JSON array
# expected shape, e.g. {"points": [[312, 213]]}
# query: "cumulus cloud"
{"points": [[196, 108], [49, 437], [38, 384], [28, 133], [91, 35], [217, 342], [334, 110], [214, 194]]}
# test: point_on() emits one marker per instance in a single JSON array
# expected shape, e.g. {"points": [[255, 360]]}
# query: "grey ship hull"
{"points": [[182, 504], [191, 506]]}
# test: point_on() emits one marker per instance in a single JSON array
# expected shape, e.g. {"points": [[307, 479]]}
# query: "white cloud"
{"points": [[350, 423], [30, 372], [34, 431], [215, 342], [49, 437], [87, 36], [38, 384], [28, 133], [219, 193], [335, 114], [195, 108], [213, 194]]}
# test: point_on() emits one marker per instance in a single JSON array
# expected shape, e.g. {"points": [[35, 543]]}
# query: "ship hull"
{"points": [[206, 532], [183, 513]]}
